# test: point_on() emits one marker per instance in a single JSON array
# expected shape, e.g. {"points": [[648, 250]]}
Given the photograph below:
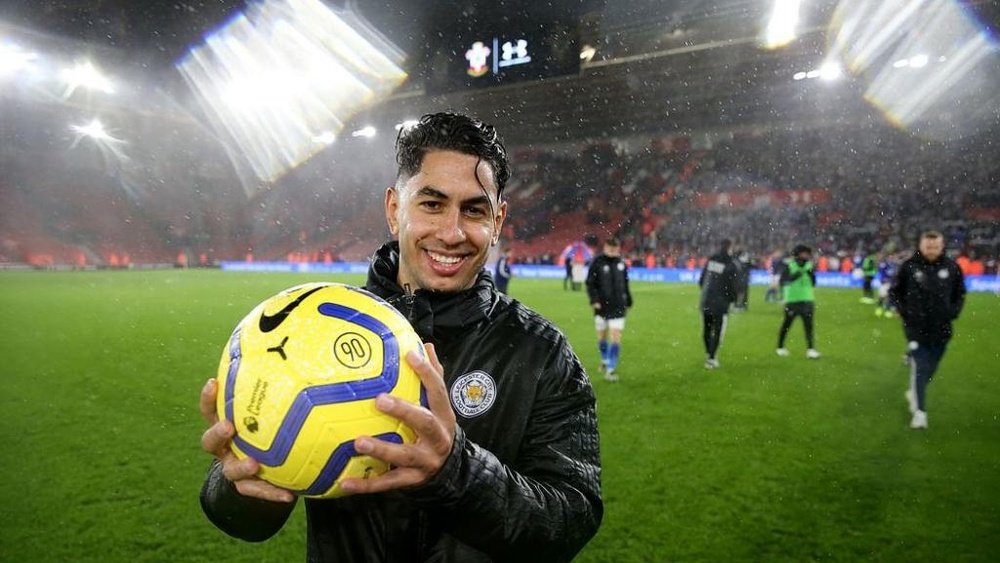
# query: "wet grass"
{"points": [[768, 458]]}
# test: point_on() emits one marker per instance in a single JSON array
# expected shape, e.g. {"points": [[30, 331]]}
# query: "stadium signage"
{"points": [[528, 271]]}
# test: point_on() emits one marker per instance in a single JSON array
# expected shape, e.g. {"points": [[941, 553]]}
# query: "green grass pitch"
{"points": [[765, 459]]}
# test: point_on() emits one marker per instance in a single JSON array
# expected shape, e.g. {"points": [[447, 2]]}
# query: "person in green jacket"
{"points": [[798, 280], [869, 269]]}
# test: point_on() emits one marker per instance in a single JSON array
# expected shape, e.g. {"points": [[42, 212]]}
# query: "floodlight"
{"points": [[367, 131], [85, 74]]}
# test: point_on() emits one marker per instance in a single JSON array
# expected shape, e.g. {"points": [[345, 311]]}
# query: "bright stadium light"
{"points": [[781, 27], [366, 132], [326, 138], [86, 75], [798, 76], [875, 39], [830, 71], [281, 74], [587, 53], [13, 59], [109, 146], [94, 130]]}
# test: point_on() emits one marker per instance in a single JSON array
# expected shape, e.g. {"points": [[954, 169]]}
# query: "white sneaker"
{"points": [[711, 363], [610, 376], [813, 354], [919, 420], [782, 352], [911, 399]]}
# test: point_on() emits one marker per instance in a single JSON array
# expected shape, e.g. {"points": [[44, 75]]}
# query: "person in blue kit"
{"points": [[501, 272], [610, 299], [929, 292]]}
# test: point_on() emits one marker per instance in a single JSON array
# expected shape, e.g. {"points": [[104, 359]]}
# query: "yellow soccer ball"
{"points": [[299, 377]]}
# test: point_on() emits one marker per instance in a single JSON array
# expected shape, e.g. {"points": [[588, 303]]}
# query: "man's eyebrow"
{"points": [[431, 191]]}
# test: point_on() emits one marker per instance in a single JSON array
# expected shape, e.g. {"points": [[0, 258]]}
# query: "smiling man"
{"points": [[506, 465], [446, 214]]}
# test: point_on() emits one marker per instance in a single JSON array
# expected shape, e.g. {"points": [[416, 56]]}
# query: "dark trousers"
{"points": [[802, 309], [713, 328], [866, 287], [925, 360]]}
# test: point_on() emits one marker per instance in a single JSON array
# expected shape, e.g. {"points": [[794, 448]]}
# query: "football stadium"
{"points": [[168, 166]]}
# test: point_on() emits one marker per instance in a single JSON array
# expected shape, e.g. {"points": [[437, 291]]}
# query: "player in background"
{"points": [[506, 465], [887, 267], [869, 269], [610, 298], [501, 272], [929, 290], [718, 284], [799, 281], [773, 294], [744, 265]]}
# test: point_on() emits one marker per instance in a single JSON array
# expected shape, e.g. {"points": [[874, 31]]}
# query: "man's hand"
{"points": [[417, 463], [215, 440], [596, 305]]}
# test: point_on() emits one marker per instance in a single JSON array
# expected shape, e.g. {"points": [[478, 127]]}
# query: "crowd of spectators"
{"points": [[845, 192]]}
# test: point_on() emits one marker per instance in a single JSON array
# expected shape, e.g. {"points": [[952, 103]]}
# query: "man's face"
{"points": [[931, 248], [612, 251], [444, 221]]}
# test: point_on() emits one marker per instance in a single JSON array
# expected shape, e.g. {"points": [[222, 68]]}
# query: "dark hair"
{"points": [[726, 243], [800, 249], [612, 242], [455, 132], [931, 235]]}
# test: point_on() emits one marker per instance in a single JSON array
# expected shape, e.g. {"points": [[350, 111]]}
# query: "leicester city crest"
{"points": [[473, 394]]}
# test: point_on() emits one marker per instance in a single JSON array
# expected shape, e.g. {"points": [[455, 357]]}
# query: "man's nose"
{"points": [[450, 229]]}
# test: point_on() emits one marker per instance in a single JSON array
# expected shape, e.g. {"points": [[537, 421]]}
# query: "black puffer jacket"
{"points": [[718, 282], [523, 480], [929, 296], [607, 284]]}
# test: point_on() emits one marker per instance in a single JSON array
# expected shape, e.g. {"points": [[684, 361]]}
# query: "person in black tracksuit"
{"points": [[506, 465], [610, 299], [718, 282], [929, 292]]}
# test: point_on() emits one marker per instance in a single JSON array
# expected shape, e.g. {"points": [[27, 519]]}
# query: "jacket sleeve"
{"points": [[241, 517], [547, 504]]}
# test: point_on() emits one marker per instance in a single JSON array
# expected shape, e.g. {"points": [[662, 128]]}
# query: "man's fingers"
{"points": [[395, 479], [263, 490], [236, 469], [432, 376], [215, 440], [207, 401]]}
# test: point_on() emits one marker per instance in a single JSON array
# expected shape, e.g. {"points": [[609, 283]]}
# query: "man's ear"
{"points": [[391, 208], [501, 216]]}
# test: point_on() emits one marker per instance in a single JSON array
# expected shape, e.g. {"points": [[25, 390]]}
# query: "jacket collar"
{"points": [[431, 313]]}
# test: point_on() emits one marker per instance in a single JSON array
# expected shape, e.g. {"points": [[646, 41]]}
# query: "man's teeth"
{"points": [[444, 259]]}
